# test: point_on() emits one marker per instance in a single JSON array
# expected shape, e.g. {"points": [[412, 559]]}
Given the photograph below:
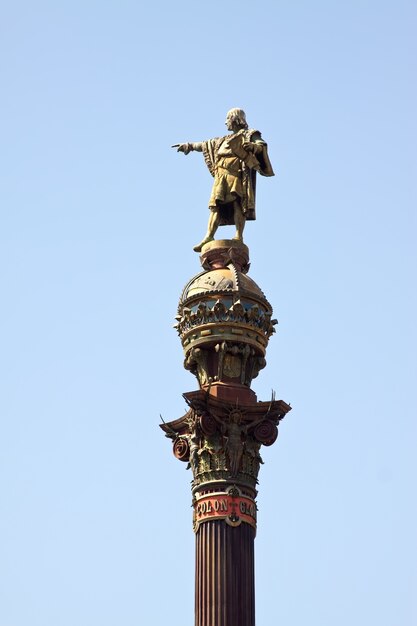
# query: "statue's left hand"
{"points": [[250, 146]]}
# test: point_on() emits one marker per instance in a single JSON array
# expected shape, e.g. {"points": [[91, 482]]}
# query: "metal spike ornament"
{"points": [[224, 322]]}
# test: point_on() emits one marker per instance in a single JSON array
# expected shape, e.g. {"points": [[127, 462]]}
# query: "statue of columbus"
{"points": [[233, 161]]}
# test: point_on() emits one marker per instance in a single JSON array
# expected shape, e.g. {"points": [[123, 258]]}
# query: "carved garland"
{"points": [[255, 316]]}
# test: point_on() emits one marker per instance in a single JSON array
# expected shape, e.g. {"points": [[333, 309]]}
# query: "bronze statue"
{"points": [[233, 161]]}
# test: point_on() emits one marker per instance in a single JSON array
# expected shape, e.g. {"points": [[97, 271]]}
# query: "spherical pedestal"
{"points": [[224, 320]]}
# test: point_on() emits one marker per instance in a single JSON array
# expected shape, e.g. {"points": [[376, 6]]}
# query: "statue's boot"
{"points": [[198, 247]]}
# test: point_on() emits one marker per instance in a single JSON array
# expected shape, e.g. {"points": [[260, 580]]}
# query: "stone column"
{"points": [[224, 322]]}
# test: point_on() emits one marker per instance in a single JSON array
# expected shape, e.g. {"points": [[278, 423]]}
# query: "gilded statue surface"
{"points": [[233, 161]]}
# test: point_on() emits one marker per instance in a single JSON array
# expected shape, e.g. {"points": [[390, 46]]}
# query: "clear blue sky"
{"points": [[98, 220]]}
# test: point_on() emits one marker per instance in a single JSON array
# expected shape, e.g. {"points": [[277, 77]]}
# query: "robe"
{"points": [[234, 171]]}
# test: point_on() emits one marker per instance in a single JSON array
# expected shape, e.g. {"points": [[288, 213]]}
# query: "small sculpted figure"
{"points": [[233, 161], [194, 443], [234, 446]]}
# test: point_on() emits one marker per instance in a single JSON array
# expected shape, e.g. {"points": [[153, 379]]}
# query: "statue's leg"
{"points": [[240, 221], [213, 223]]}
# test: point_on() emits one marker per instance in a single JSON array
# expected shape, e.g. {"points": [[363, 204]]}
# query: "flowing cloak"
{"points": [[234, 171]]}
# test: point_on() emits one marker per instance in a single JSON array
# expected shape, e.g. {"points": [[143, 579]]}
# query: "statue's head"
{"points": [[235, 416], [236, 118]]}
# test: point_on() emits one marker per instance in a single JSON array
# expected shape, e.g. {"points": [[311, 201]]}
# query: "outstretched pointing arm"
{"points": [[188, 147]]}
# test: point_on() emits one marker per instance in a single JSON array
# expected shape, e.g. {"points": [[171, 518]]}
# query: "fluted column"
{"points": [[225, 580]]}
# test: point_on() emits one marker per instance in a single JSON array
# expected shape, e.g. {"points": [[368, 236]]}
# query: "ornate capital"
{"points": [[221, 442]]}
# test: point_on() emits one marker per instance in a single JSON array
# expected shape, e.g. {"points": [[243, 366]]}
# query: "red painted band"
{"points": [[223, 506]]}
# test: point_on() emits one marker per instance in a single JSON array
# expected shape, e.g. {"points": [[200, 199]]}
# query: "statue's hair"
{"points": [[238, 116]]}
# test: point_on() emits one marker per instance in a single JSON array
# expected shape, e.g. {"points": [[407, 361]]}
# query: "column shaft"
{"points": [[225, 579]]}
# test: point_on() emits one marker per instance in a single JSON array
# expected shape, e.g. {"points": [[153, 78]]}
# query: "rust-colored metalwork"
{"points": [[225, 579], [224, 322]]}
